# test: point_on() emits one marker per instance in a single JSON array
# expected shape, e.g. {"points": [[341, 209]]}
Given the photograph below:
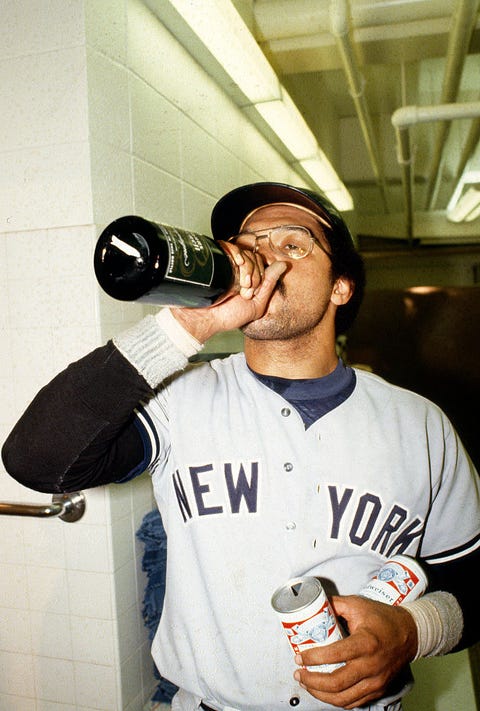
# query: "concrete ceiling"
{"points": [[349, 67]]}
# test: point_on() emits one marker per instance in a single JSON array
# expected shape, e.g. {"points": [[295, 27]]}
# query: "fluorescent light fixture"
{"points": [[341, 198], [222, 31], [473, 214], [248, 77], [467, 207], [322, 173], [289, 125], [319, 168], [470, 176]]}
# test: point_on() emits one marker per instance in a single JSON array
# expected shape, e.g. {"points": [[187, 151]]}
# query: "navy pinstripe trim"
{"points": [[149, 435], [151, 445], [455, 553]]}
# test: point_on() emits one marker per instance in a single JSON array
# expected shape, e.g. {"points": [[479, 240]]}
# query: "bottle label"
{"points": [[190, 256]]}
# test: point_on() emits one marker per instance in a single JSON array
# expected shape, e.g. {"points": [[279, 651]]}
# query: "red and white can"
{"points": [[399, 579], [307, 617]]}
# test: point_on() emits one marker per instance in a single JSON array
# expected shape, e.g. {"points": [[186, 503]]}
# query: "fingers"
{"points": [[248, 298], [348, 686], [337, 692], [258, 297], [251, 273], [250, 269], [270, 278], [378, 647]]}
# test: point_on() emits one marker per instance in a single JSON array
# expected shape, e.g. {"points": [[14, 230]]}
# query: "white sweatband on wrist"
{"points": [[177, 333], [439, 621], [151, 350]]}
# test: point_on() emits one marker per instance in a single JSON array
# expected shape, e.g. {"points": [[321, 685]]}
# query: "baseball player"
{"points": [[274, 463]]}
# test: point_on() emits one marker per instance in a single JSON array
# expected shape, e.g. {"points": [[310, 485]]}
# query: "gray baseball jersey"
{"points": [[250, 498]]}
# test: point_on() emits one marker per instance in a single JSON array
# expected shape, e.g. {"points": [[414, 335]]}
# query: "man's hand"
{"points": [[382, 640], [246, 301]]}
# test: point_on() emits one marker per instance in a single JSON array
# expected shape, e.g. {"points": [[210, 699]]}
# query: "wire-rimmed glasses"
{"points": [[287, 241]]}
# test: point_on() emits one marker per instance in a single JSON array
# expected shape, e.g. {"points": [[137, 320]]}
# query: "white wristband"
{"points": [[157, 346], [439, 621], [177, 333]]}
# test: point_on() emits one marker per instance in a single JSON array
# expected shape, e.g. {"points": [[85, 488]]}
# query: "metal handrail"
{"points": [[68, 507]]}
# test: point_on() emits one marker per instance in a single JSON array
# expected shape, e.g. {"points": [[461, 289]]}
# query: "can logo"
{"points": [[399, 579], [316, 629], [307, 617]]}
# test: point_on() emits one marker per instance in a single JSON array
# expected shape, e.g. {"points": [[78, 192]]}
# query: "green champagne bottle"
{"points": [[139, 260]]}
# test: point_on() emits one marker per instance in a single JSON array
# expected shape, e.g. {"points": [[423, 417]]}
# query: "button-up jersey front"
{"points": [[250, 498]]}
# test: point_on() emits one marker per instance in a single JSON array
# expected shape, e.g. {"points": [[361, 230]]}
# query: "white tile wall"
{"points": [[105, 114], [47, 587], [157, 137], [20, 703], [17, 676], [96, 686], [60, 106], [108, 102], [28, 29], [157, 193], [52, 177], [111, 180]]}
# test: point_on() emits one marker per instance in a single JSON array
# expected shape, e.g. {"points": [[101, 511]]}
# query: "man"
{"points": [[268, 465]]}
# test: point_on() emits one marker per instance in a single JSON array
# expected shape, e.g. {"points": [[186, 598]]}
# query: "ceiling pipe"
{"points": [[469, 148], [459, 39], [408, 116], [340, 29]]}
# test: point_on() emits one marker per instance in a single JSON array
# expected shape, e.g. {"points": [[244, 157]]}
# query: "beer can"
{"points": [[400, 579], [307, 617]]}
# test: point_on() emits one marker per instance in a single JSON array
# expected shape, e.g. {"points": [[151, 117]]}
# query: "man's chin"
{"points": [[252, 329], [263, 329]]}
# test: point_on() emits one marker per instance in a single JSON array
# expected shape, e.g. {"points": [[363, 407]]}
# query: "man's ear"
{"points": [[342, 291]]}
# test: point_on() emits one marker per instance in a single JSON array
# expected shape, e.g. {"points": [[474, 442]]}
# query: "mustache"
{"points": [[280, 287]]}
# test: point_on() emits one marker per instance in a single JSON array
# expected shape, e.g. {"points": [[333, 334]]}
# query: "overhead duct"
{"points": [[469, 148], [459, 40], [408, 116], [340, 29]]}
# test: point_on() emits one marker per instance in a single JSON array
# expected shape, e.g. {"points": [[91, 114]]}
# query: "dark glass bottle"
{"points": [[139, 260]]}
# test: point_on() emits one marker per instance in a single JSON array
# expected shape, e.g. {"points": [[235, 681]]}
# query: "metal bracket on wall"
{"points": [[68, 507]]}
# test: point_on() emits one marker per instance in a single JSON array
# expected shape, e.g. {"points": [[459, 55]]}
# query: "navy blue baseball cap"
{"points": [[231, 210]]}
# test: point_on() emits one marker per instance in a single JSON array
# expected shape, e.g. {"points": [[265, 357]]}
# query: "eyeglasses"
{"points": [[288, 241]]}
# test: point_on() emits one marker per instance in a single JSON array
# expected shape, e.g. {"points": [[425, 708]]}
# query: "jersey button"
{"points": [[285, 411], [288, 466], [294, 701], [291, 526]]}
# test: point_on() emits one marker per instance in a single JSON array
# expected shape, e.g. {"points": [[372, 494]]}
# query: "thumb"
{"points": [[272, 274], [264, 291]]}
